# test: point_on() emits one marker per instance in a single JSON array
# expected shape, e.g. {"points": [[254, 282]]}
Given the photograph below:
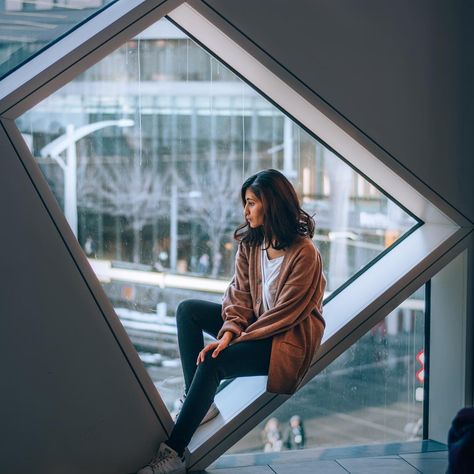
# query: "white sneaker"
{"points": [[165, 461], [211, 413]]}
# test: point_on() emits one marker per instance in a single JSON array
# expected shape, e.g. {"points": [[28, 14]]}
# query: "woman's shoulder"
{"points": [[304, 244], [305, 254]]}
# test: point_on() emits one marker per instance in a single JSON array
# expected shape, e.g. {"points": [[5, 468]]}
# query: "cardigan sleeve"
{"points": [[237, 307], [297, 297]]}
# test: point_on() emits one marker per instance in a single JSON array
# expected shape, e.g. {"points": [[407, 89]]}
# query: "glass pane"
{"points": [[26, 27], [372, 393], [146, 152]]}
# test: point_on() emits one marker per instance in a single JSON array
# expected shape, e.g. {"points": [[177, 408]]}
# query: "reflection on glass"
{"points": [[146, 152], [28, 26], [372, 393]]}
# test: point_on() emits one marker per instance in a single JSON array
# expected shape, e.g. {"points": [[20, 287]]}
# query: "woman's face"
{"points": [[253, 209]]}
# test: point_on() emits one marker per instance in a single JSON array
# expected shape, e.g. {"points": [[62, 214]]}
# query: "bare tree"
{"points": [[124, 188], [218, 208]]}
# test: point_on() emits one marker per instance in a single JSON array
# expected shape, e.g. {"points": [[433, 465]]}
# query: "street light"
{"points": [[69, 165]]}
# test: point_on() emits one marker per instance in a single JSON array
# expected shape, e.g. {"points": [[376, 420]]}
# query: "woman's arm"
{"points": [[237, 307]]}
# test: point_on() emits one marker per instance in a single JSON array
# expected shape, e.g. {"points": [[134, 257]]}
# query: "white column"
{"points": [[449, 344], [70, 181]]}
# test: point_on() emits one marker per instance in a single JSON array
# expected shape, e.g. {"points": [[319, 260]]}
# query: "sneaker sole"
{"points": [[211, 414]]}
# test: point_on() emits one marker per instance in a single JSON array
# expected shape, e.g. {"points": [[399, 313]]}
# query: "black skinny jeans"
{"points": [[238, 360]]}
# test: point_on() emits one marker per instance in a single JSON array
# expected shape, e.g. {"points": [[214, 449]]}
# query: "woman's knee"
{"points": [[211, 366], [185, 310]]}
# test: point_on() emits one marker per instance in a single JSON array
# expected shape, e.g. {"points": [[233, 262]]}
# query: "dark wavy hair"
{"points": [[283, 220]]}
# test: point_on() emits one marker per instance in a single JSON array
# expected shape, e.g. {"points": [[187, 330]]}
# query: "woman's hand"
{"points": [[216, 347]]}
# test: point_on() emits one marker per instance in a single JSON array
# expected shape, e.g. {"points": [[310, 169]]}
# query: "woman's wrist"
{"points": [[229, 335]]}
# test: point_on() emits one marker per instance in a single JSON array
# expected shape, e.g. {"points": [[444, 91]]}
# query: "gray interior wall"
{"points": [[399, 71]]}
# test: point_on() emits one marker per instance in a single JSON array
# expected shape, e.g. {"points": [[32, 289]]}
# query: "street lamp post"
{"points": [[67, 142]]}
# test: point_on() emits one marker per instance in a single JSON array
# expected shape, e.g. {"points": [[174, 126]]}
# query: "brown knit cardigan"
{"points": [[295, 322]]}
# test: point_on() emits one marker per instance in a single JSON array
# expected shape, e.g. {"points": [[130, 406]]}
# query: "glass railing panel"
{"points": [[27, 27], [372, 393], [146, 153]]}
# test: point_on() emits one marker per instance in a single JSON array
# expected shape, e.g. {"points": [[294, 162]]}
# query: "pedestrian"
{"points": [[295, 437], [272, 441], [216, 265], [89, 247], [156, 252], [270, 320], [203, 265]]}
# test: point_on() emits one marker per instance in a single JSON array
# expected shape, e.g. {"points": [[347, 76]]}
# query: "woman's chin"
{"points": [[253, 225]]}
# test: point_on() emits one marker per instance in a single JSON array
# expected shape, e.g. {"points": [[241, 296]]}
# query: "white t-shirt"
{"points": [[270, 272]]}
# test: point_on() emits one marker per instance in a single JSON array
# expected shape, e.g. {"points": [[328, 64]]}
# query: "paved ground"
{"points": [[364, 425], [425, 457]]}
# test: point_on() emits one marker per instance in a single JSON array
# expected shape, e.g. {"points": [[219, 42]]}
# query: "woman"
{"points": [[270, 320]]}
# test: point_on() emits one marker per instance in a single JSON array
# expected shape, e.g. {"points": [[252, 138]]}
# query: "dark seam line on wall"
{"points": [[82, 275], [333, 108], [88, 53], [59, 38], [457, 242], [295, 120], [221, 440]]}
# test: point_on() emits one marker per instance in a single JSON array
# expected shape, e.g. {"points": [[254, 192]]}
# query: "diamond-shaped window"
{"points": [[146, 152]]}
